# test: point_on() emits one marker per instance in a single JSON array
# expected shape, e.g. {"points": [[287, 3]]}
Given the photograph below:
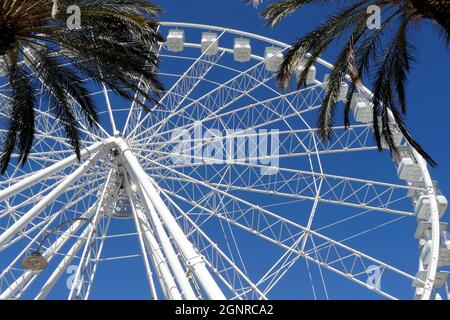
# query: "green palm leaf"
{"points": [[116, 44]]}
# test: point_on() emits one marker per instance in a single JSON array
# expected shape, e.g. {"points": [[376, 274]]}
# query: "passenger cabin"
{"points": [[311, 76], [342, 97], [444, 251], [242, 50], [175, 40], [421, 200], [362, 108], [407, 167], [273, 58], [210, 43]]}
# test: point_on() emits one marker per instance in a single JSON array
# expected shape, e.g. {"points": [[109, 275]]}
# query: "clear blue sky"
{"points": [[427, 118]]}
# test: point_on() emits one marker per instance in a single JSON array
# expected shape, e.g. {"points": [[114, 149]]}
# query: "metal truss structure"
{"points": [[310, 219]]}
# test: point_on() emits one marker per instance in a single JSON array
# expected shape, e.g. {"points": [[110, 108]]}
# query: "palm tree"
{"points": [[114, 45], [383, 53]]}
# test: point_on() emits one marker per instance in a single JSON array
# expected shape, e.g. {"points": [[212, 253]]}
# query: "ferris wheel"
{"points": [[225, 191]]}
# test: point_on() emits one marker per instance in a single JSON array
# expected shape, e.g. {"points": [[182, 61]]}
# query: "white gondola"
{"points": [[175, 40], [423, 230], [3, 68], [274, 58], [242, 50], [326, 80], [342, 95], [397, 136], [362, 109], [422, 207], [444, 251], [422, 201], [439, 281], [343, 92], [407, 167], [210, 43], [310, 77]]}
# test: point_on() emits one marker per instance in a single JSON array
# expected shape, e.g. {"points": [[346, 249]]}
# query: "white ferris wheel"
{"points": [[225, 191]]}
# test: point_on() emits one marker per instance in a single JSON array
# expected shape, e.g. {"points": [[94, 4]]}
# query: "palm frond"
{"points": [[21, 118], [363, 51], [116, 46]]}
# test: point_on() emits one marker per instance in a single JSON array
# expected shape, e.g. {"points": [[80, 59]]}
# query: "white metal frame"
{"points": [[181, 265]]}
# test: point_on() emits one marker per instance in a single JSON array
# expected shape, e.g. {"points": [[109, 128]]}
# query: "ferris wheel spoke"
{"points": [[321, 273], [303, 137], [184, 86], [16, 288], [85, 271], [304, 99], [160, 263], [329, 197], [231, 121], [109, 108], [141, 228], [134, 112], [192, 153], [65, 207], [251, 210], [29, 180], [259, 222], [226, 94], [192, 78], [258, 115], [223, 266], [46, 200], [90, 266], [63, 265], [350, 263], [338, 190], [356, 137], [279, 268]]}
